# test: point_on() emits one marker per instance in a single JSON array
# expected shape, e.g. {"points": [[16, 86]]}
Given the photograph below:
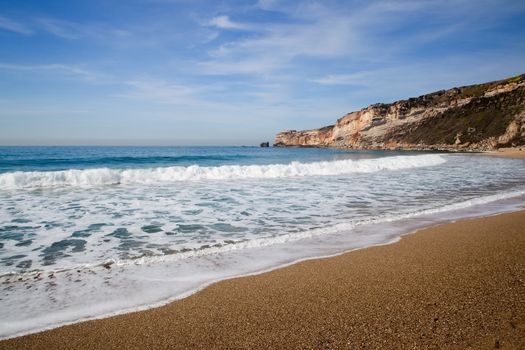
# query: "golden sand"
{"points": [[509, 152], [456, 286]]}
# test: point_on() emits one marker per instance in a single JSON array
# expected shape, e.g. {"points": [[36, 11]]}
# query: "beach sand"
{"points": [[509, 152], [456, 286]]}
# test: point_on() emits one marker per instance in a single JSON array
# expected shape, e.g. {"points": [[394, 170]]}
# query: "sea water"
{"points": [[87, 232]]}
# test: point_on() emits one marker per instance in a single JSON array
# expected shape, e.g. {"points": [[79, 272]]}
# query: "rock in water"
{"points": [[265, 144]]}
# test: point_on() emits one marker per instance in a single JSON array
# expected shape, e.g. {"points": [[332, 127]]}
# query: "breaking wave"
{"points": [[163, 175]]}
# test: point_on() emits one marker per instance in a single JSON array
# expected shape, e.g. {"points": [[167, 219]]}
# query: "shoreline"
{"points": [[325, 250], [509, 152], [518, 152], [169, 311]]}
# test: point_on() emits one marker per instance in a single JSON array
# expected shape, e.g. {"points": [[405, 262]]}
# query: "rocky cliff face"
{"points": [[469, 118]]}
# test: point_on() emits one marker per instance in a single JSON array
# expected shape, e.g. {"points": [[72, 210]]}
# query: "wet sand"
{"points": [[456, 286]]}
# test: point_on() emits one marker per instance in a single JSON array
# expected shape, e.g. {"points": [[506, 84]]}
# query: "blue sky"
{"points": [[182, 72]]}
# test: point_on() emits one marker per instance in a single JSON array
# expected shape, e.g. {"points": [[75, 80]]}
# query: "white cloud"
{"points": [[360, 32], [278, 44], [13, 26], [224, 22], [314, 30], [340, 79]]}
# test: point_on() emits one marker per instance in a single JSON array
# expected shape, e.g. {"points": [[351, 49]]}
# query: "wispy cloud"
{"points": [[14, 26], [61, 68], [314, 30], [266, 4], [224, 22], [248, 66], [399, 81], [363, 32], [274, 63], [75, 30], [62, 29], [159, 91], [338, 79], [279, 45]]}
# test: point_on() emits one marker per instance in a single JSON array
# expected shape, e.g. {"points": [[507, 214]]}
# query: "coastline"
{"points": [[456, 284], [508, 152], [518, 152]]}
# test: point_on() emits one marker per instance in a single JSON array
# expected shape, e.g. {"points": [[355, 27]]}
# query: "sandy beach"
{"points": [[457, 285], [509, 152]]}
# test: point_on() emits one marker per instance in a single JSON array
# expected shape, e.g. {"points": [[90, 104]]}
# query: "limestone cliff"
{"points": [[471, 118]]}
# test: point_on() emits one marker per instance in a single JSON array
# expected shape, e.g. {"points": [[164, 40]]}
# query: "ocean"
{"points": [[87, 232]]}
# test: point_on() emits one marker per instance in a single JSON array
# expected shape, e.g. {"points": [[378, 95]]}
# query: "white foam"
{"points": [[151, 176], [106, 292], [346, 226], [271, 222], [284, 238]]}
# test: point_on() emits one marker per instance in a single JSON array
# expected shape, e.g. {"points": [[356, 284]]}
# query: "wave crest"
{"points": [[160, 175]]}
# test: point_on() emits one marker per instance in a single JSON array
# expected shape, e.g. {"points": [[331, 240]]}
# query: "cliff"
{"points": [[470, 118]]}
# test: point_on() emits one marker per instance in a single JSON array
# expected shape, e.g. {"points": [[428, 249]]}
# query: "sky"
{"points": [[183, 72]]}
